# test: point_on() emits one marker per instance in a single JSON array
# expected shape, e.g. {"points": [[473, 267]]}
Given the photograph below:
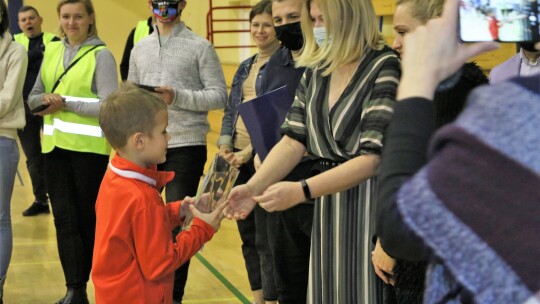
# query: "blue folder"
{"points": [[263, 117]]}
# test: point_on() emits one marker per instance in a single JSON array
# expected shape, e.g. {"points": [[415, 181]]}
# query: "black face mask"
{"points": [[528, 46], [290, 35]]}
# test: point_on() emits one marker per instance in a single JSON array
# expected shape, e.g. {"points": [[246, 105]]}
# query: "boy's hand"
{"points": [[213, 219], [203, 205], [184, 208]]}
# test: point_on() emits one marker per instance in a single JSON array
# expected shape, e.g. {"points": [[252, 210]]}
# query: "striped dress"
{"points": [[343, 224]]}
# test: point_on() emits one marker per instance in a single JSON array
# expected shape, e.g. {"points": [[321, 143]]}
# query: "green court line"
{"points": [[222, 279]]}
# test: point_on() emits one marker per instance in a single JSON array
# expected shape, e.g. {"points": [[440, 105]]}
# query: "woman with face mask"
{"points": [[234, 142], [341, 110], [408, 275], [13, 63], [76, 75]]}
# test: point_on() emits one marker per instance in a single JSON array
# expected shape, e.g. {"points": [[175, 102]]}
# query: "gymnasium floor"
{"points": [[217, 275]]}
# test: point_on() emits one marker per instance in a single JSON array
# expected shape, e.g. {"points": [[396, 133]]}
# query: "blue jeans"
{"points": [[31, 146], [9, 159]]}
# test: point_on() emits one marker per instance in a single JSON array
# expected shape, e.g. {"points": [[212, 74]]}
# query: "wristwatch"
{"points": [[305, 187]]}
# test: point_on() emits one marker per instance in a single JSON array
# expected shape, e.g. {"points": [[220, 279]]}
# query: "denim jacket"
{"points": [[235, 98], [278, 71]]}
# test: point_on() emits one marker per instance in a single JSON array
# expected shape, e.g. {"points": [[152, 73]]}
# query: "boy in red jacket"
{"points": [[134, 256]]}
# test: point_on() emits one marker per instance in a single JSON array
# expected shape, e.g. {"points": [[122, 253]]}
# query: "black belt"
{"points": [[324, 164]]}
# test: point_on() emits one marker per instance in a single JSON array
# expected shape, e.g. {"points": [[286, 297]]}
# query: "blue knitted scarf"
{"points": [[476, 204]]}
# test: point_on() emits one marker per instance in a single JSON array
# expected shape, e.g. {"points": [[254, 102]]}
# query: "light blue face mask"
{"points": [[320, 35]]}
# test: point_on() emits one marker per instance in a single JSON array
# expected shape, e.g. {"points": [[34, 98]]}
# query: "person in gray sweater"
{"points": [[185, 70]]}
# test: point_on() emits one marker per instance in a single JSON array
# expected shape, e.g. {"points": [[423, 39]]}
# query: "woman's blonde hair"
{"points": [[352, 27], [423, 10], [92, 30]]}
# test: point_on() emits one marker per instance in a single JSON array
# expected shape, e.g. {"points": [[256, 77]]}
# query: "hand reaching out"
{"points": [[433, 52], [281, 196], [241, 202]]}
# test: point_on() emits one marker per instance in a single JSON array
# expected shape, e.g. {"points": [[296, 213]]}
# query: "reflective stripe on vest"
{"points": [[142, 30], [22, 39], [65, 129], [73, 128]]}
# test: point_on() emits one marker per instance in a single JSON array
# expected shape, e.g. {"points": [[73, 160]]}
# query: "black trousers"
{"points": [[289, 234], [247, 230], [31, 145], [73, 180], [264, 222], [291, 239], [188, 165]]}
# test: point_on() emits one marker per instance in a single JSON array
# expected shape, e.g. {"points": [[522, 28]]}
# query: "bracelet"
{"points": [[305, 187]]}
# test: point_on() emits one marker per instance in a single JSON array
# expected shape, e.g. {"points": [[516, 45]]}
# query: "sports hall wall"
{"points": [[116, 18]]}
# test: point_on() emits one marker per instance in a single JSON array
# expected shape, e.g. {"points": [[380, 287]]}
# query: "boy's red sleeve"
{"points": [[174, 213], [157, 255]]}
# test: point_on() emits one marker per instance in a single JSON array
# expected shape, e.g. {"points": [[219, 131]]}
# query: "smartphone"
{"points": [[39, 108], [499, 20], [147, 87]]}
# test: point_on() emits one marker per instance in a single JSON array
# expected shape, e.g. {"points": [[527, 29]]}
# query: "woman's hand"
{"points": [[241, 202], [257, 162], [55, 101], [281, 196], [433, 52], [224, 150], [242, 157], [383, 264]]}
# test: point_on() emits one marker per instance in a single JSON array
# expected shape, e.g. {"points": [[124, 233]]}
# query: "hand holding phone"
{"points": [[39, 108], [503, 21], [148, 88]]}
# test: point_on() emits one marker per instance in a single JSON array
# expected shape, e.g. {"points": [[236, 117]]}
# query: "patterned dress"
{"points": [[343, 224]]}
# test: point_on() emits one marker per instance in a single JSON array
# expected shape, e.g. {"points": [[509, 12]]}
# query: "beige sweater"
{"points": [[13, 62]]}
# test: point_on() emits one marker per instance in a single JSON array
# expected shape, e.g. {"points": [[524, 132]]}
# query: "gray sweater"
{"points": [[190, 65]]}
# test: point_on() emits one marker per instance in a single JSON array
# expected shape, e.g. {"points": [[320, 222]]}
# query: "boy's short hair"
{"points": [[127, 111]]}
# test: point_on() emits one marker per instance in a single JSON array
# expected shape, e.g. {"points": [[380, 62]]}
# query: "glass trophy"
{"points": [[214, 188]]}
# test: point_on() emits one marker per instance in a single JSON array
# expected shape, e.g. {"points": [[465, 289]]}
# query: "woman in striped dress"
{"points": [[342, 108]]}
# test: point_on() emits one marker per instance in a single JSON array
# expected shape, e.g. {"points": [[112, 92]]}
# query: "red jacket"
{"points": [[134, 256]]}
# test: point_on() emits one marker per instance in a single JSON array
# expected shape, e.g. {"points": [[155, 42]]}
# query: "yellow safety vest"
{"points": [[142, 30], [22, 39], [64, 129]]}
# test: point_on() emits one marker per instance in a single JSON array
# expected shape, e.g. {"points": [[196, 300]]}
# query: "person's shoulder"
{"points": [[187, 34], [128, 193], [505, 67], [472, 73], [248, 60], [17, 49], [104, 52], [146, 42]]}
